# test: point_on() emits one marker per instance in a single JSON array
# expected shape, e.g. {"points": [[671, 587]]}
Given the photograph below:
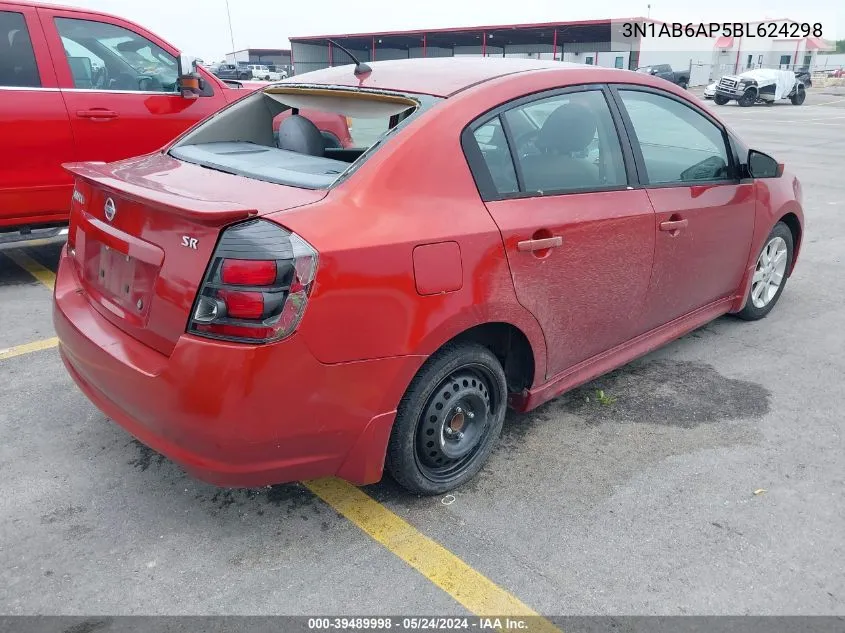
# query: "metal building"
{"points": [[589, 42]]}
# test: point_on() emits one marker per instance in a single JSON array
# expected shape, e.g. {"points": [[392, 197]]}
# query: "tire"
{"points": [[448, 420], [748, 98], [758, 303], [799, 96], [683, 84], [720, 100]]}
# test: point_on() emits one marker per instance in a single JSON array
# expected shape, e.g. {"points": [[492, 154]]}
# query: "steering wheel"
{"points": [[100, 77], [149, 83]]}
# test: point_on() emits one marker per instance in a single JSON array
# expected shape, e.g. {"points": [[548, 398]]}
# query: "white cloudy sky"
{"points": [[199, 27]]}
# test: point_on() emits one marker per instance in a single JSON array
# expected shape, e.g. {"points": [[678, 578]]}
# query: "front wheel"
{"points": [[720, 100], [769, 280], [448, 420], [748, 98]]}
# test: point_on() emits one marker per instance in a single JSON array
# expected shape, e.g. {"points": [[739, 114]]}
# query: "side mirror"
{"points": [[190, 85], [762, 165]]}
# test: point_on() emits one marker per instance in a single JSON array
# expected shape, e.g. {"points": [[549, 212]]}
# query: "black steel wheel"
{"points": [[448, 420], [799, 96], [748, 98], [720, 100]]}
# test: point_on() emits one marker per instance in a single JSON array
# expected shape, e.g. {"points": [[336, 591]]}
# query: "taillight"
{"points": [[257, 284]]}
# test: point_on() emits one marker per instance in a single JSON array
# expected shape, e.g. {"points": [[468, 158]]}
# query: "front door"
{"points": [[579, 241], [704, 214], [120, 87], [34, 125]]}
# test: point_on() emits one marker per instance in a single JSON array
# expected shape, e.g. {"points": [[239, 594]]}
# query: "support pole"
{"points": [[424, 46], [484, 43], [554, 46]]}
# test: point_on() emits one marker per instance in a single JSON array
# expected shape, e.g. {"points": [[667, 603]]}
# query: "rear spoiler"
{"points": [[153, 194]]}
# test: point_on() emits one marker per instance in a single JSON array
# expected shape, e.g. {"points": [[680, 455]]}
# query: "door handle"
{"points": [[539, 245], [96, 114], [673, 225]]}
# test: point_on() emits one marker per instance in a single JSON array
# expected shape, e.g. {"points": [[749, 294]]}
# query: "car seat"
{"points": [[567, 131], [300, 135]]}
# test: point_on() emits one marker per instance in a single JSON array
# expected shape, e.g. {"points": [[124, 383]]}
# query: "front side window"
{"points": [[678, 144], [567, 143], [17, 59], [103, 56]]}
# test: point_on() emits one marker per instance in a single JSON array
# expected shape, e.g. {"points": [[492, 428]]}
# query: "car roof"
{"points": [[440, 76]]}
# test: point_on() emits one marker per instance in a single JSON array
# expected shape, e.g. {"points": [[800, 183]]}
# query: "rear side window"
{"points": [[563, 144], [103, 56], [493, 144], [678, 144], [17, 59], [567, 143]]}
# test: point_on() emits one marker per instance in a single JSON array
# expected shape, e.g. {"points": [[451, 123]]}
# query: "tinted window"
{"points": [[107, 57], [567, 143], [17, 59], [494, 148], [678, 144]]}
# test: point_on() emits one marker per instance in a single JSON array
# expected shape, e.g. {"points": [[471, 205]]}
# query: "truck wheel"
{"points": [[720, 100], [683, 84], [799, 96], [748, 98], [448, 420]]}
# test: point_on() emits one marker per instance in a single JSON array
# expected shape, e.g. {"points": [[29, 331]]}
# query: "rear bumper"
{"points": [[230, 414]]}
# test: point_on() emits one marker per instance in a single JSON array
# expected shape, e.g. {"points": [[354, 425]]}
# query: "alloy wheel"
{"points": [[769, 272]]}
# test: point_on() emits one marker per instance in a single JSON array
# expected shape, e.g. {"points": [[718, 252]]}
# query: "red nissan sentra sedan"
{"points": [[265, 309]]}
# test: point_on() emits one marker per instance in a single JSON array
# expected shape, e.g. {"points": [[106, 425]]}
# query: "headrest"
{"points": [[300, 135], [570, 128]]}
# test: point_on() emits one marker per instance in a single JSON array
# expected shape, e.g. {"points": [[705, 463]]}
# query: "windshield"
{"points": [[303, 136]]}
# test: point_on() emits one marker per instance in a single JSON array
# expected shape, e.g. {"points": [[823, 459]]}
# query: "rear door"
{"points": [[554, 174], [34, 125], [120, 85], [704, 213]]}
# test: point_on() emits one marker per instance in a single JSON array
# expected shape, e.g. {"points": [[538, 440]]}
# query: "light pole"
{"points": [[648, 15], [231, 33]]}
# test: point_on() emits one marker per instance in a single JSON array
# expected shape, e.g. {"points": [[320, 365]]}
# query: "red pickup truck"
{"points": [[78, 85]]}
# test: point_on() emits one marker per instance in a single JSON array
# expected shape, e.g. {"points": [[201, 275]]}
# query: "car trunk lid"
{"points": [[143, 231]]}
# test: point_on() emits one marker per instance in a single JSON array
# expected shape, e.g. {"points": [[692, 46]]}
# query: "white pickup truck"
{"points": [[762, 86], [262, 72]]}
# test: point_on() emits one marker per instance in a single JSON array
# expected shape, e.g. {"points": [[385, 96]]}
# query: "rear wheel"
{"points": [[748, 98], [799, 96], [449, 420], [720, 100], [769, 279]]}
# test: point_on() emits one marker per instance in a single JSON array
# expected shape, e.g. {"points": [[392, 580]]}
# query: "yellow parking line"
{"points": [[26, 348], [41, 273], [476, 592]]}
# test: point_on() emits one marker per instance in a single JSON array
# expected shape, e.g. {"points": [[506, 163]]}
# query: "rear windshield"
{"points": [[302, 136]]}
